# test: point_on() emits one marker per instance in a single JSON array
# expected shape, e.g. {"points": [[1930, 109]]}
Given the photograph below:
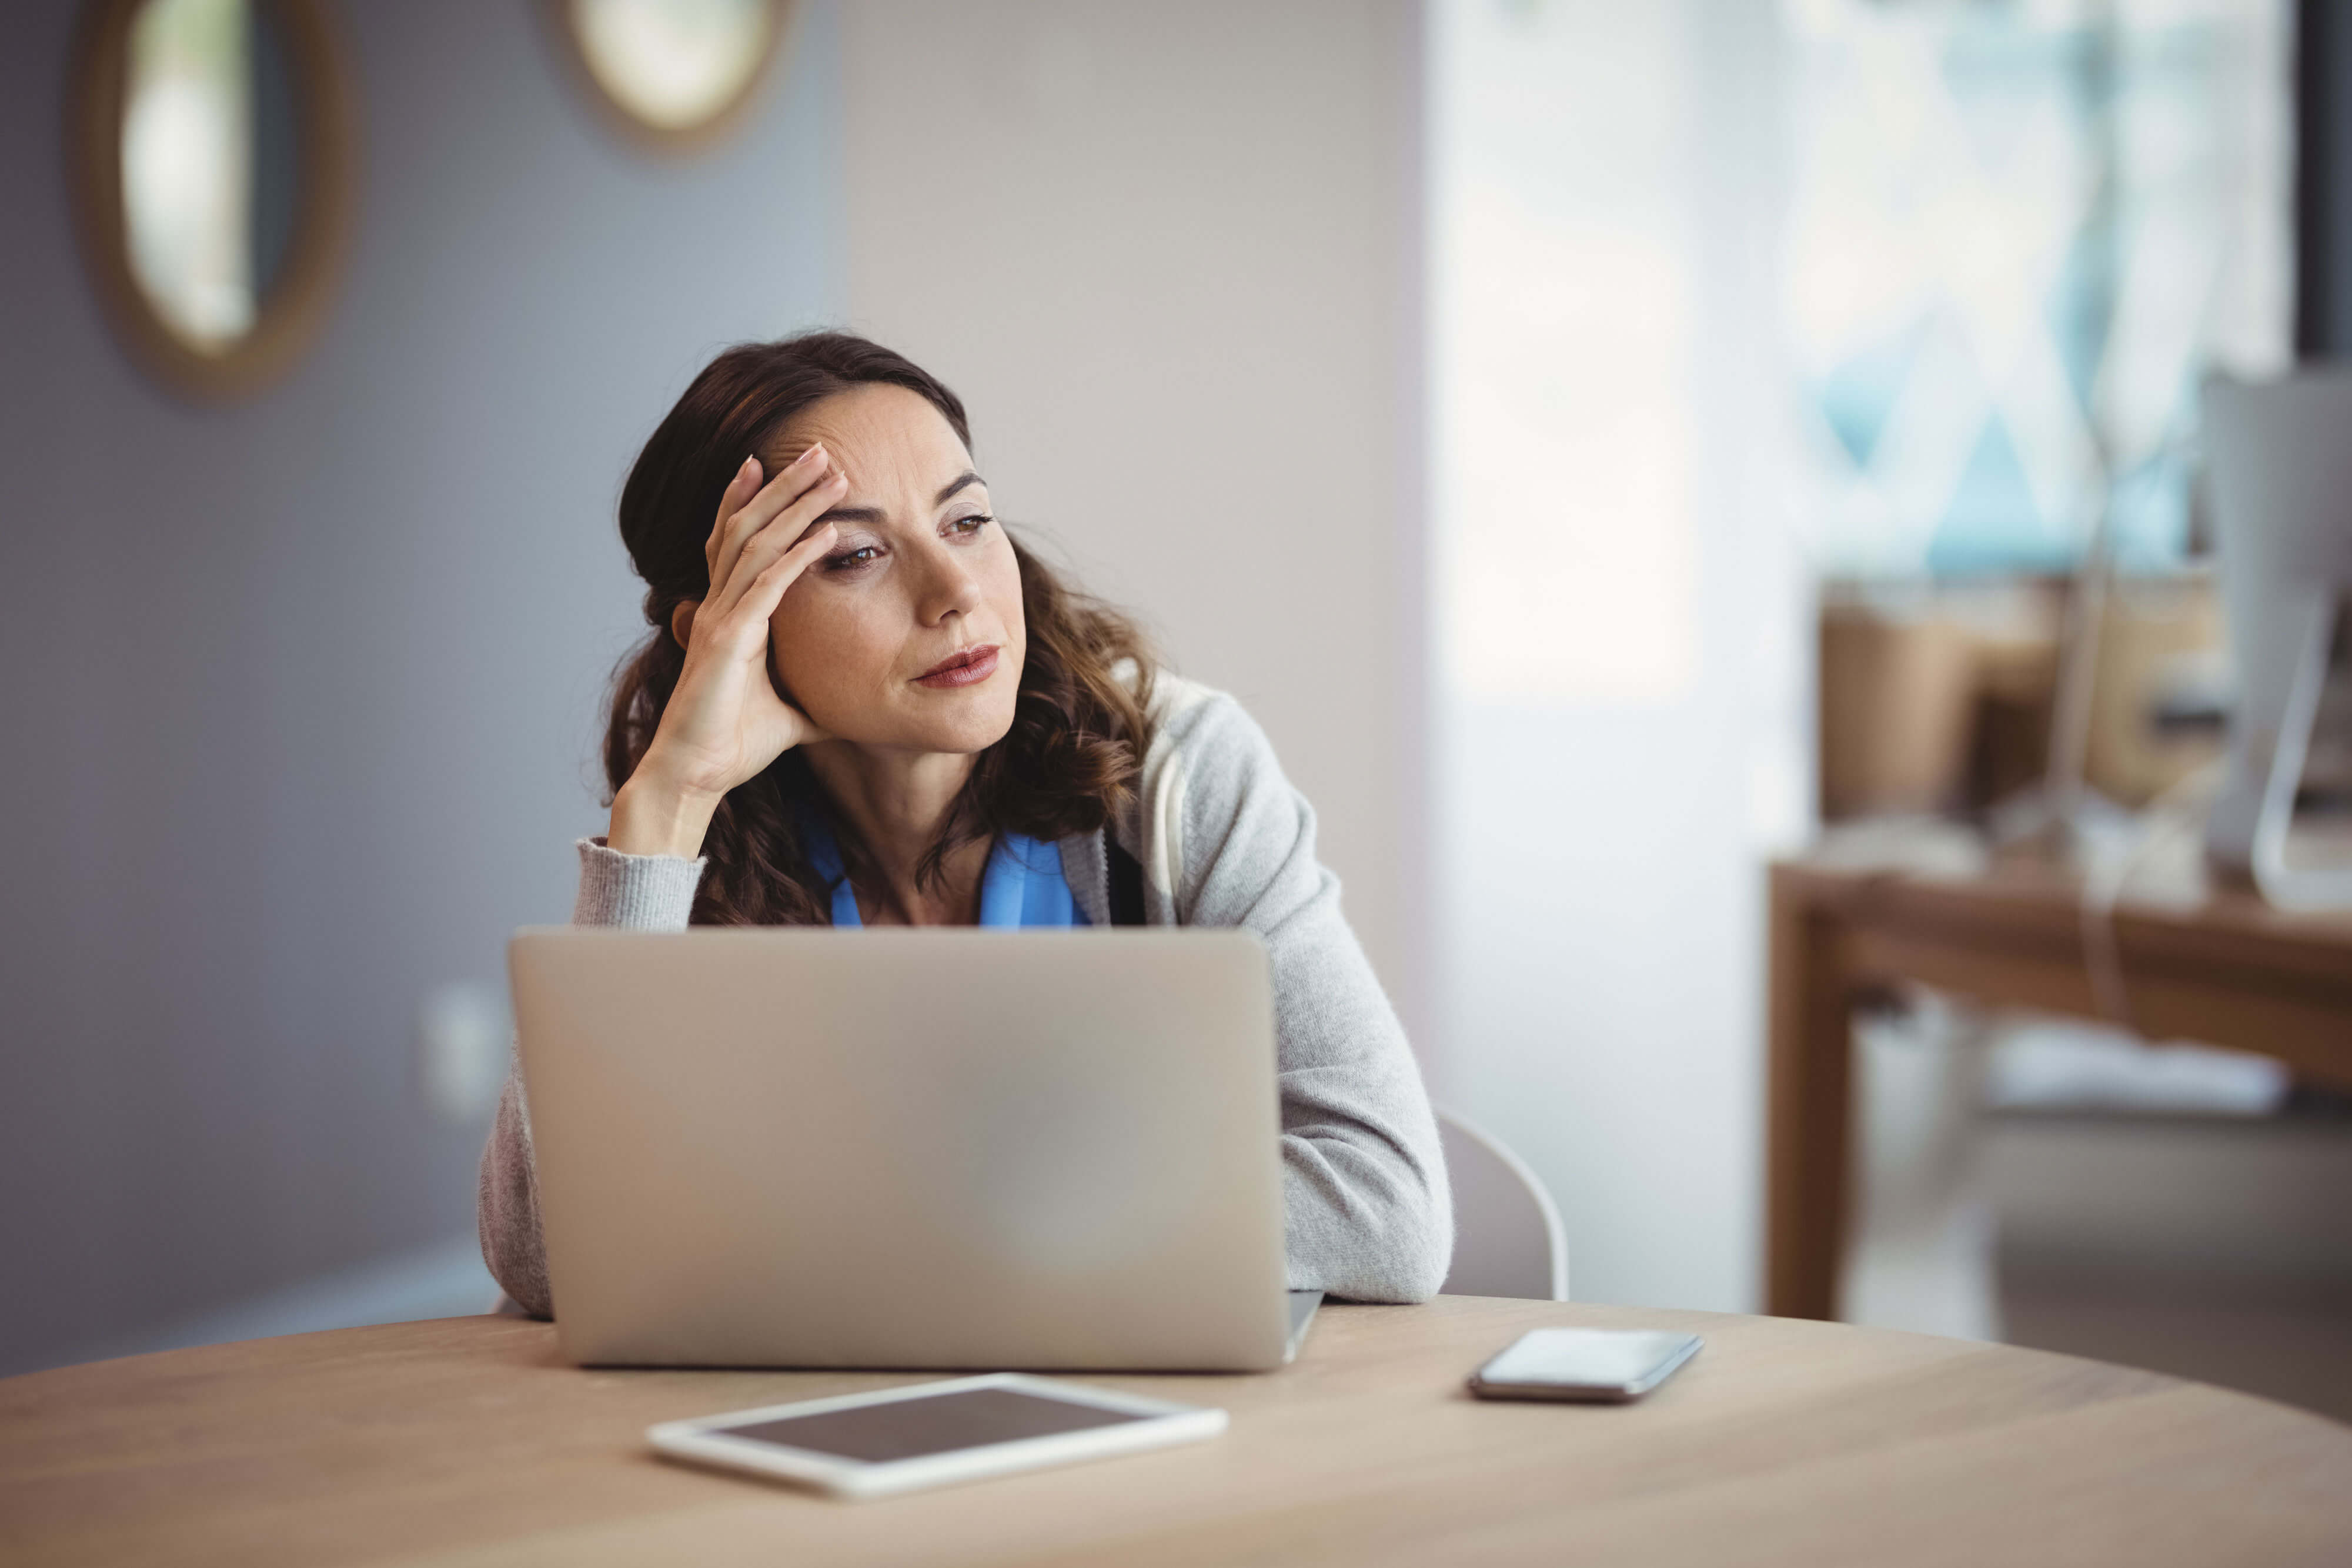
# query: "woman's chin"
{"points": [[960, 727], [982, 731], [970, 720]]}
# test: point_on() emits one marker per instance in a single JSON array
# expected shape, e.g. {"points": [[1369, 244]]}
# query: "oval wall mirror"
{"points": [[674, 74], [213, 152]]}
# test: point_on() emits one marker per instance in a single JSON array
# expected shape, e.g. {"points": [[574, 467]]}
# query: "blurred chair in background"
{"points": [[1507, 1238]]}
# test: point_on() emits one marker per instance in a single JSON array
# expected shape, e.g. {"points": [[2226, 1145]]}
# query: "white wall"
{"points": [[1622, 720], [300, 711], [1167, 255]]}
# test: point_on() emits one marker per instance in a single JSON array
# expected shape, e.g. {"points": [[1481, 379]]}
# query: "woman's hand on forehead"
{"points": [[725, 721], [893, 450]]}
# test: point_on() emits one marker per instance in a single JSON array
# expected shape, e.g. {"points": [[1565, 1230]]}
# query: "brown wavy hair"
{"points": [[1068, 763]]}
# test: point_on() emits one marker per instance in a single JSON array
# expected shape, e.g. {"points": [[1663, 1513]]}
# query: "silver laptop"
{"points": [[907, 1148]]}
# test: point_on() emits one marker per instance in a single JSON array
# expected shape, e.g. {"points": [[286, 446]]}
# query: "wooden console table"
{"points": [[2220, 967]]}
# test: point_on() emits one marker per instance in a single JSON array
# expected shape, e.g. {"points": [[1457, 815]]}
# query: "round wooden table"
{"points": [[465, 1441]]}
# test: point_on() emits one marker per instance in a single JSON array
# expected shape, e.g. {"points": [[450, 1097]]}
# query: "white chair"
{"points": [[1507, 1239]]}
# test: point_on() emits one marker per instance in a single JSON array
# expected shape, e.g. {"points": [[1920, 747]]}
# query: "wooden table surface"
{"points": [[465, 1441]]}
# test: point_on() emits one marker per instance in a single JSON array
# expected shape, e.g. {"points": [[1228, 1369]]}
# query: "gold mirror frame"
{"points": [[289, 315], [675, 141]]}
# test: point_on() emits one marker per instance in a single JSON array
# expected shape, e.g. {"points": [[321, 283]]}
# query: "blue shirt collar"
{"points": [[1023, 885]]}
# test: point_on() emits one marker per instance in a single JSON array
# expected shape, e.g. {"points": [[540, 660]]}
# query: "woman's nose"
{"points": [[948, 589]]}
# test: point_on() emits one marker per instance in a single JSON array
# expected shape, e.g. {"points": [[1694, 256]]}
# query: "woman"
{"points": [[861, 702]]}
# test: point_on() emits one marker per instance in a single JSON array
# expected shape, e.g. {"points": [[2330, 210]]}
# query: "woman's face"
{"points": [[908, 635]]}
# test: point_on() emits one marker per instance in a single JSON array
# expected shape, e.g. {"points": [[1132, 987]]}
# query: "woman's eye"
{"points": [[850, 560], [972, 524]]}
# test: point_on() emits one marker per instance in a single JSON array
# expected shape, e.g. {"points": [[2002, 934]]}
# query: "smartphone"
{"points": [[1613, 1366], [932, 1434]]}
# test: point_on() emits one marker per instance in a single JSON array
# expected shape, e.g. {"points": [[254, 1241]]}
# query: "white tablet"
{"points": [[932, 1434]]}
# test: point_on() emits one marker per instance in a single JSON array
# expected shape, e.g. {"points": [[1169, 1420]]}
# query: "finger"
{"points": [[740, 489], [761, 593], [812, 468], [783, 531]]}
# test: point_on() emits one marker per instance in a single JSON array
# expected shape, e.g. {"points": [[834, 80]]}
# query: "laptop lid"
{"points": [[938, 1148]]}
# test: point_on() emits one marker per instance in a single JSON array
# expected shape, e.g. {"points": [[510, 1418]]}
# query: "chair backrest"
{"points": [[1507, 1239]]}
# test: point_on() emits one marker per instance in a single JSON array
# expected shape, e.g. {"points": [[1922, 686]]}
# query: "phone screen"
{"points": [[931, 1424], [1589, 1358]]}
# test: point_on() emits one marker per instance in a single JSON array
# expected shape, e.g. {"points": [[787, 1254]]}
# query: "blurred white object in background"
{"points": [[188, 167], [1562, 254], [2303, 837], [2051, 1066], [1920, 1255], [464, 1036], [673, 64], [2279, 466]]}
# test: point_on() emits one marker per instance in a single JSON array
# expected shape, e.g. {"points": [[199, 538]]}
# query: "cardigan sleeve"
{"points": [[1368, 1209], [644, 892]]}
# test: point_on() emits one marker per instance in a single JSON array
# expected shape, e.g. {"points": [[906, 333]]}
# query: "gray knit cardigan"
{"points": [[1224, 841]]}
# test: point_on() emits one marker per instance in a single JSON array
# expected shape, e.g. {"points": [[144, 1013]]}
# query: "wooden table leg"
{"points": [[1809, 1105]]}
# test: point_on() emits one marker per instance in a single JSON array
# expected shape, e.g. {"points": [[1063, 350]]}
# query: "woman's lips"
{"points": [[967, 667]]}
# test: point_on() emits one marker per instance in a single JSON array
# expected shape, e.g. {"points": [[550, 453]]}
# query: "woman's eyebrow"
{"points": [[875, 515], [848, 515]]}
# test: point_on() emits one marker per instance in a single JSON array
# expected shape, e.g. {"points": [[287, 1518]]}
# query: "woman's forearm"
{"points": [[643, 894], [508, 1207], [654, 817], [1370, 1213]]}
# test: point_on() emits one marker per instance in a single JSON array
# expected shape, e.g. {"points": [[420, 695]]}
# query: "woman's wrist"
{"points": [[654, 817]]}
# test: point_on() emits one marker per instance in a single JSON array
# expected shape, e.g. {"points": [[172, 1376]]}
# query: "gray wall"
{"points": [[1171, 259], [301, 692]]}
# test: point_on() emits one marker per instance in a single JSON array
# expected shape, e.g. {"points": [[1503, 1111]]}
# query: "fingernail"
{"points": [[814, 452], [749, 464]]}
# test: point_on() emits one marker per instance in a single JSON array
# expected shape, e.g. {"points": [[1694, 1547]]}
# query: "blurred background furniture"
{"points": [[1781, 1443], [2213, 964], [1508, 1238], [1937, 695]]}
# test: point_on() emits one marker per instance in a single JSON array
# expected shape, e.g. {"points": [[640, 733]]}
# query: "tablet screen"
{"points": [[931, 1424]]}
